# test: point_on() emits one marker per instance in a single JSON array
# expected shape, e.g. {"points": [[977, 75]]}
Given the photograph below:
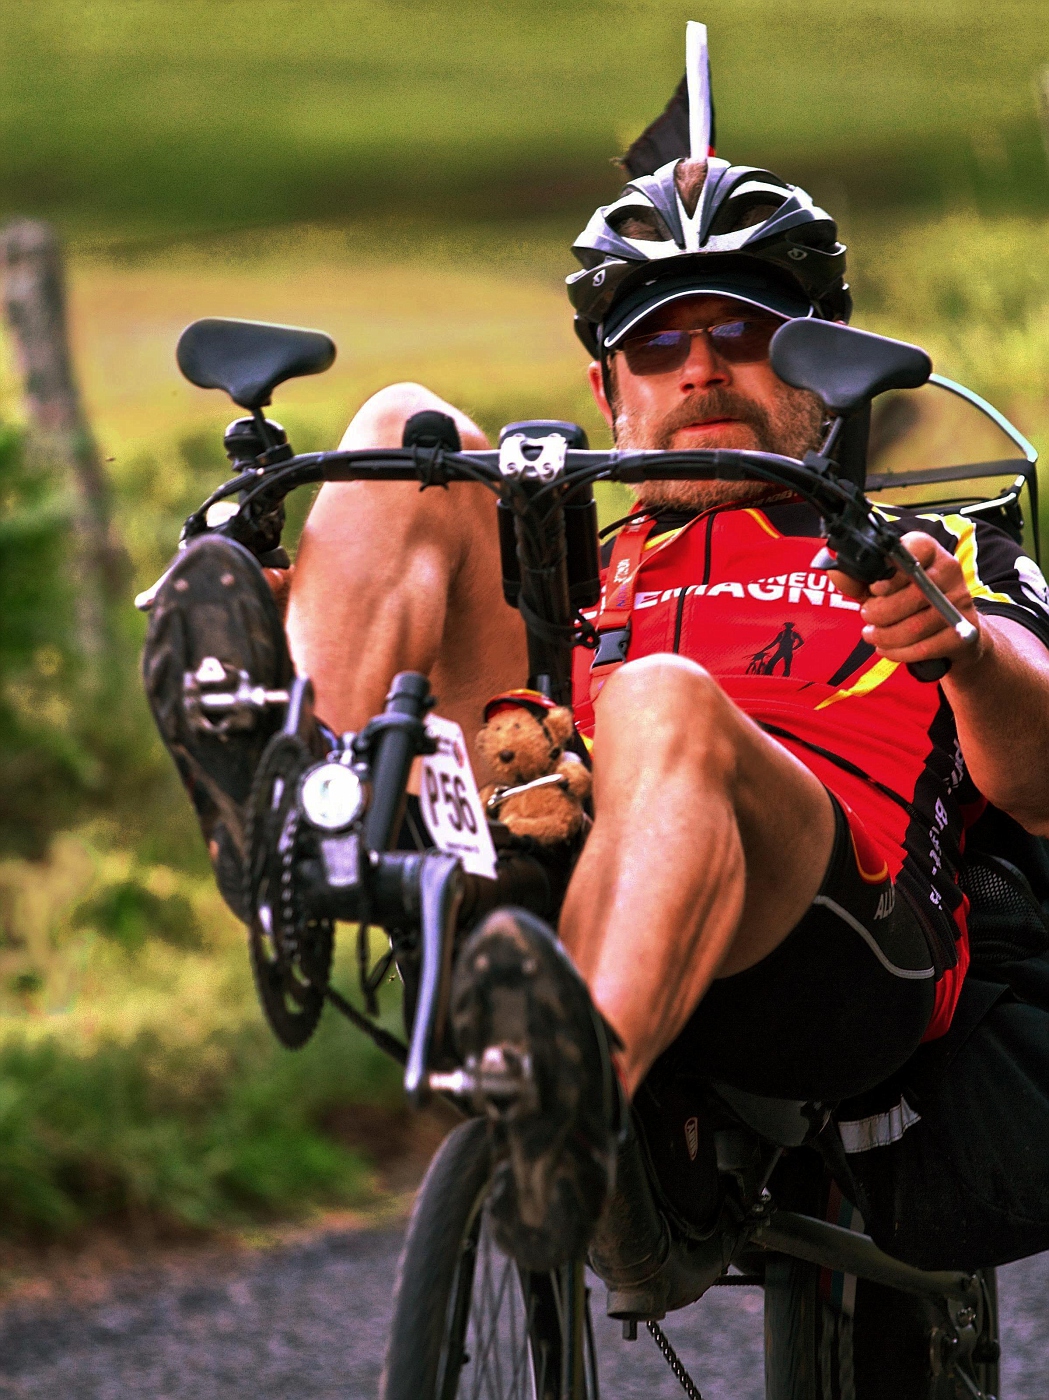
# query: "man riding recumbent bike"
{"points": [[775, 1029], [710, 1176]]}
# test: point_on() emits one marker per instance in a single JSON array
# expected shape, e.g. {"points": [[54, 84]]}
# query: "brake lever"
{"points": [[896, 551], [937, 667]]}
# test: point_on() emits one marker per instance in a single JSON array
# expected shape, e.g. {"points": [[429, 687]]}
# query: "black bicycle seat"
{"points": [[843, 366], [250, 358]]}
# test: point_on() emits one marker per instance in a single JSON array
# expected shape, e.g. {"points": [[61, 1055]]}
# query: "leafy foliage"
{"points": [[44, 767], [138, 1083], [129, 913]]}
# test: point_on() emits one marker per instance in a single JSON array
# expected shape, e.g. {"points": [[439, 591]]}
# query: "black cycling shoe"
{"points": [[517, 1001], [216, 669]]}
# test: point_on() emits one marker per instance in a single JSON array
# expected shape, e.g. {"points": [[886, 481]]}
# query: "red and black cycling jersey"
{"points": [[735, 590]]}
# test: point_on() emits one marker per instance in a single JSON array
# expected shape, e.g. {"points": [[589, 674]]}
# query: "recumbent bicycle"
{"points": [[326, 843]]}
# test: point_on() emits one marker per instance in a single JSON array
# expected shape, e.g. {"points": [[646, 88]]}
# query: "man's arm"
{"points": [[998, 685]]}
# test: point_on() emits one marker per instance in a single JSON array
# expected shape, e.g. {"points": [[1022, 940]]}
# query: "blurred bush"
{"points": [[129, 913], [75, 738], [139, 1086], [45, 766]]}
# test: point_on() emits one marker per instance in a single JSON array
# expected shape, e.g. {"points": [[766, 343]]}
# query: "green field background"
{"points": [[408, 177]]}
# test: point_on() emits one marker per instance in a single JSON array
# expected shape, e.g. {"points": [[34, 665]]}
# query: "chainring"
{"points": [[291, 953]]}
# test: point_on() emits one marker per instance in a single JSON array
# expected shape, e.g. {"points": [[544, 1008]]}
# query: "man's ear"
{"points": [[597, 388]]}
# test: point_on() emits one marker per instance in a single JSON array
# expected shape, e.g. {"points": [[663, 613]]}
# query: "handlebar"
{"points": [[437, 467], [865, 545]]}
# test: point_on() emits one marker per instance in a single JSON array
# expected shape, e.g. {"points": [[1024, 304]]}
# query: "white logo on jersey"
{"points": [[1032, 581], [798, 587], [886, 903], [692, 1138]]}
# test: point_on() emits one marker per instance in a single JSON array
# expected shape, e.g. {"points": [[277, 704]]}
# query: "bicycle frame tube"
{"points": [[832, 1247]]}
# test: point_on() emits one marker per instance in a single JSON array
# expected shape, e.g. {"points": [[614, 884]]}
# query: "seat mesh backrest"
{"points": [[1006, 922]]}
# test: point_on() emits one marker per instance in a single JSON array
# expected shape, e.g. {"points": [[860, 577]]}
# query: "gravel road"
{"points": [[308, 1321]]}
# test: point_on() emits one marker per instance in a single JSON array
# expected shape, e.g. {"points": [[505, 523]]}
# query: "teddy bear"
{"points": [[523, 739]]}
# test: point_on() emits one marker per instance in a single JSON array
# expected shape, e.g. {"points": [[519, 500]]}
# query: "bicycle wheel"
{"points": [[893, 1346], [468, 1324]]}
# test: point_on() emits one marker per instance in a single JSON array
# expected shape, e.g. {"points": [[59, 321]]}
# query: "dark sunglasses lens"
{"points": [[738, 342], [742, 342], [657, 354]]}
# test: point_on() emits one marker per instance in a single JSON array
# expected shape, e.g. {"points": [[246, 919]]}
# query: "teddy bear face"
{"points": [[516, 749]]}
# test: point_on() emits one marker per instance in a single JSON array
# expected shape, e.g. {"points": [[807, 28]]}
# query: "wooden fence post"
{"points": [[35, 305]]}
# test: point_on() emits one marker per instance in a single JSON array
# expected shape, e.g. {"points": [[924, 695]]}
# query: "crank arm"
{"points": [[441, 888], [501, 1080]]}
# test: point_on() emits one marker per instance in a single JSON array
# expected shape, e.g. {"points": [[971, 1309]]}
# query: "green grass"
{"points": [[128, 118], [138, 1084], [975, 292]]}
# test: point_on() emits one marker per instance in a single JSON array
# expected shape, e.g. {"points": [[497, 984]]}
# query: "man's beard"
{"points": [[791, 428]]}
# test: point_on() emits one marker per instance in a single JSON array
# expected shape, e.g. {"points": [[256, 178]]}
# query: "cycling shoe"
{"points": [[521, 1014], [216, 669]]}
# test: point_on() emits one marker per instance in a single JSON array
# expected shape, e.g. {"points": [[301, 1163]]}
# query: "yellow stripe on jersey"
{"points": [[869, 877], [964, 531], [870, 680], [661, 540], [765, 525]]}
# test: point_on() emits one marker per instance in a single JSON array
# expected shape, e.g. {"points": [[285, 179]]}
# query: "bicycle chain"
{"points": [[290, 953], [674, 1361]]}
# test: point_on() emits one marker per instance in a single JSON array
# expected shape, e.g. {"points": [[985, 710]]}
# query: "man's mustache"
{"points": [[715, 403]]}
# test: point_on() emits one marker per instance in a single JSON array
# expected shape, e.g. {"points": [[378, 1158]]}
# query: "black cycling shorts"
{"points": [[837, 1007]]}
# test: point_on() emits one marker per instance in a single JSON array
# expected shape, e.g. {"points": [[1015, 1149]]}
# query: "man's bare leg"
{"points": [[391, 579], [709, 843]]}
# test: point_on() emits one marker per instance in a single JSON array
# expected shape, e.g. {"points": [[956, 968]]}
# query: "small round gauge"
{"points": [[332, 796]]}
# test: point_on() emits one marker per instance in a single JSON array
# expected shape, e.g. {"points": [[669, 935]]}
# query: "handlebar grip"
{"points": [[929, 671], [431, 428]]}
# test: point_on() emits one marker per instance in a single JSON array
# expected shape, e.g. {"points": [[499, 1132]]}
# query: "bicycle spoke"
{"points": [[498, 1333]]}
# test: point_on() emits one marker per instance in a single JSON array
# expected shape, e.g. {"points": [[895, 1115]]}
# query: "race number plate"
{"points": [[451, 804]]}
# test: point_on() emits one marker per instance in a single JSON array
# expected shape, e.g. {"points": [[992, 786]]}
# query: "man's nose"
{"points": [[704, 367]]}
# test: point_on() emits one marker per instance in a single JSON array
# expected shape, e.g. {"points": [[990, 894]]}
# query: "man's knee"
{"points": [[664, 682], [396, 516], [671, 703], [380, 420]]}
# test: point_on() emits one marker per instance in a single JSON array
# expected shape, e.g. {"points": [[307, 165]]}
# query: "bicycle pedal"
{"points": [[219, 699], [497, 1084]]}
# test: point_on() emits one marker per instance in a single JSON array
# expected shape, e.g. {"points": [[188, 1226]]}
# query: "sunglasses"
{"points": [[737, 342]]}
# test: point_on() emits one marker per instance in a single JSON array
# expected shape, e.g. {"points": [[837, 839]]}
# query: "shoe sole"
{"points": [[215, 602], [515, 987]]}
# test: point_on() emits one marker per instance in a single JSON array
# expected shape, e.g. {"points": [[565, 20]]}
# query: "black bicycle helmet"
{"points": [[701, 225]]}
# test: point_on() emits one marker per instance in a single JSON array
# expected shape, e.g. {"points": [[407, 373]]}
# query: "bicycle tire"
{"points": [[882, 1351], [445, 1340]]}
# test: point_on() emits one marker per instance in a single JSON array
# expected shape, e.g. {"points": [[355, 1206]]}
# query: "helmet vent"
{"points": [[641, 223], [745, 211]]}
